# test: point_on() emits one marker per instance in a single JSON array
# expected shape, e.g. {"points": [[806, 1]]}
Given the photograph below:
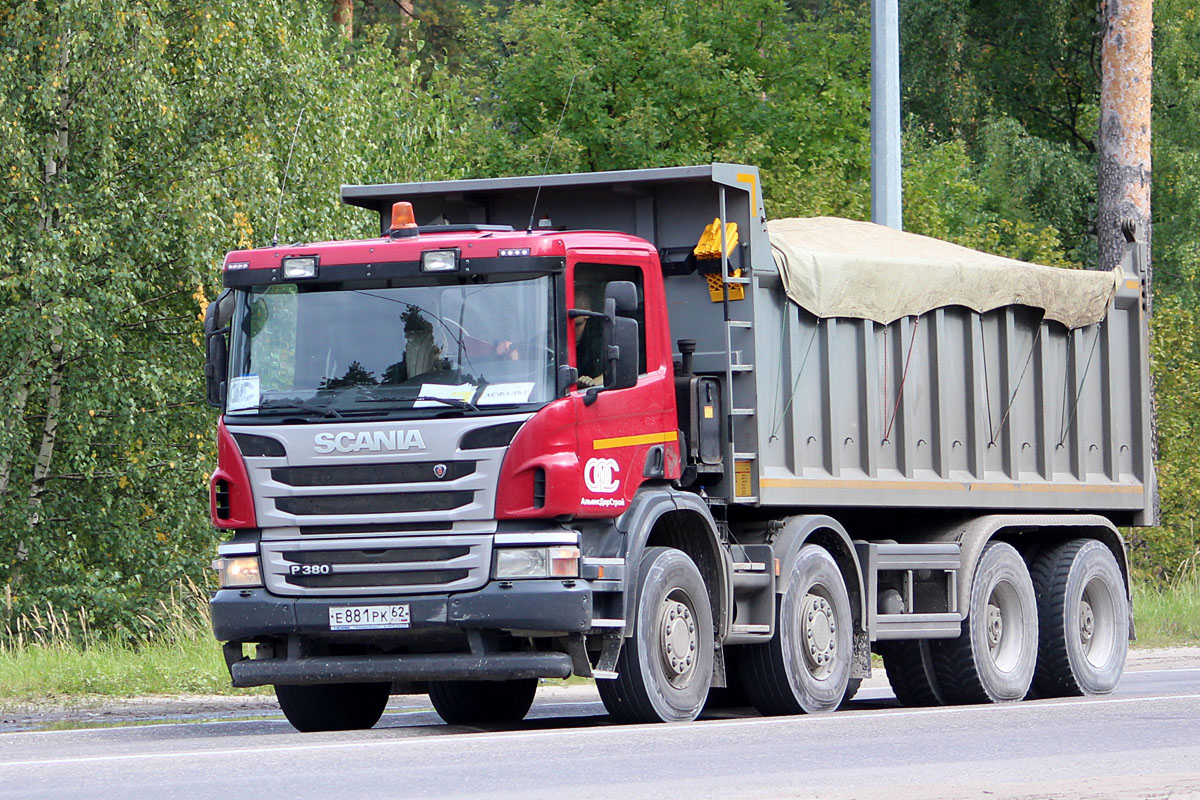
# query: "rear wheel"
{"points": [[805, 668], [732, 694], [482, 702], [333, 706], [664, 670], [852, 688], [1083, 619], [994, 658], [909, 666]]}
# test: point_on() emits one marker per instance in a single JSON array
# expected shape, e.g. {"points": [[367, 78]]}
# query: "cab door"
{"points": [[625, 436]]}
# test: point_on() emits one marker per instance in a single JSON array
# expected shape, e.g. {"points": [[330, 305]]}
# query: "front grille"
{"points": [[388, 555], [364, 474], [330, 505], [423, 578], [377, 566]]}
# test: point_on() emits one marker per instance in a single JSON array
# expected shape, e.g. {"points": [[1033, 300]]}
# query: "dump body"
{"points": [[954, 409]]}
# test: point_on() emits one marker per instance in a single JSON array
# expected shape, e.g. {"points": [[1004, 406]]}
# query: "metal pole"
{"points": [[885, 113]]}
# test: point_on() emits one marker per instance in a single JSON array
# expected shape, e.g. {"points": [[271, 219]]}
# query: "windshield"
{"points": [[337, 351]]}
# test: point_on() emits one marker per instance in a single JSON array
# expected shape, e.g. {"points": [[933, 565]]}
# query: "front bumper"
{"points": [[241, 615], [550, 606], [400, 668]]}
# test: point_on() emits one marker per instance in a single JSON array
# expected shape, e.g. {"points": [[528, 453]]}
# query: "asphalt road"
{"points": [[1143, 741]]}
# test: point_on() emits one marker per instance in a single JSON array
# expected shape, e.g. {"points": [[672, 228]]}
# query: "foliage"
{"points": [[1017, 85], [948, 196], [678, 83], [177, 119], [1167, 551], [1176, 154]]}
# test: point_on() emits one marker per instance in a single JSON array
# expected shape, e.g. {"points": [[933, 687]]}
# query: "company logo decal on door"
{"points": [[600, 475]]}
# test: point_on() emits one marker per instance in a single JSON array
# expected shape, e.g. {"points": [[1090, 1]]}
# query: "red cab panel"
{"points": [[231, 502]]}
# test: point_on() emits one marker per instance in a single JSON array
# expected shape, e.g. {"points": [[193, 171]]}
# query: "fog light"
{"points": [[537, 562], [238, 573], [298, 267], [439, 260]]}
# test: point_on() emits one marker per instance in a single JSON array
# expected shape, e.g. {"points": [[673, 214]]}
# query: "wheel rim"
{"points": [[818, 631], [1004, 627], [1096, 622], [678, 638]]}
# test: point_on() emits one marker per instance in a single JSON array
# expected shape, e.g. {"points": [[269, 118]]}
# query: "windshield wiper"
{"points": [[450, 401], [466, 405], [325, 411]]}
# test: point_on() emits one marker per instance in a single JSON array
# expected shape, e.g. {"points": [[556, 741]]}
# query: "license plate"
{"points": [[357, 618]]}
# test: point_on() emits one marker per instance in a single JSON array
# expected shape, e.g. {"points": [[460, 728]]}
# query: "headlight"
{"points": [[537, 562], [238, 573]]}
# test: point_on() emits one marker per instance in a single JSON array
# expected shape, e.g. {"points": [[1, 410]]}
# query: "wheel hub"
{"points": [[995, 626], [1087, 623], [679, 637], [818, 626]]}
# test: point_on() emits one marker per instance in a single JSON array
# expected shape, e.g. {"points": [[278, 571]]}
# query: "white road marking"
{"points": [[602, 730]]}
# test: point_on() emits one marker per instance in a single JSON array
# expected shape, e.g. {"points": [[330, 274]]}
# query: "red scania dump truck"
{"points": [[655, 440]]}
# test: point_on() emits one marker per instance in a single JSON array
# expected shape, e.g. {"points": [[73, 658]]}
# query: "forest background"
{"points": [[141, 139]]}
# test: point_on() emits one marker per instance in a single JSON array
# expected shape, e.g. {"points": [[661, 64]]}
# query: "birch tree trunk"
{"points": [[1124, 140], [56, 154], [13, 420]]}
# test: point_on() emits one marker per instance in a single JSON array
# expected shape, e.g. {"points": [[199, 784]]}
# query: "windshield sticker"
{"points": [[243, 393], [464, 392], [501, 393]]}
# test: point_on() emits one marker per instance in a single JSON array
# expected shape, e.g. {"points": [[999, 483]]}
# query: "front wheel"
{"points": [[333, 706], [664, 670], [1083, 617], [482, 702], [805, 668]]}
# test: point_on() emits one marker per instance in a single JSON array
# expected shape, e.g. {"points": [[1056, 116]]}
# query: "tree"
{"points": [[1124, 139], [141, 141]]}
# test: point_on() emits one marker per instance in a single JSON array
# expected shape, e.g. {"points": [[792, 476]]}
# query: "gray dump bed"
{"points": [[945, 380], [932, 375]]}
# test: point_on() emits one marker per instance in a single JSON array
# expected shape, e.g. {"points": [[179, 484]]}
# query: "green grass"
{"points": [[1168, 616], [53, 658]]}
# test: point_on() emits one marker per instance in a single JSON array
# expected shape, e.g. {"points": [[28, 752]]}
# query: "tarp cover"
{"points": [[843, 268]]}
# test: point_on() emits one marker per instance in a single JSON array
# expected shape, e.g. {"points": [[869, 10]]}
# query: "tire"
{"points": [[664, 669], [333, 706], [733, 694], [852, 687], [482, 702], [910, 671], [1083, 620], [993, 660], [805, 668]]}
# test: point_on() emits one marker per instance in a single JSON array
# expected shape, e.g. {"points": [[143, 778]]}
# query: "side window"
{"points": [[590, 283]]}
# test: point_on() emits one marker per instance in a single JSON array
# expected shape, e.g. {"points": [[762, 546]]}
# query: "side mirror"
{"points": [[624, 296], [216, 367], [216, 348], [621, 346]]}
